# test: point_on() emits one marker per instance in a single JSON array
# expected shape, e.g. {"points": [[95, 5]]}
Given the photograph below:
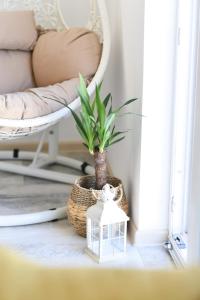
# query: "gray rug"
{"points": [[19, 194]]}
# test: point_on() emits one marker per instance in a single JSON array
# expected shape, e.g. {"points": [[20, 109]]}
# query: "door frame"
{"points": [[183, 208]]}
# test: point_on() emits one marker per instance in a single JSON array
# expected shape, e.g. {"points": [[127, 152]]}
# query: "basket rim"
{"points": [[93, 176]]}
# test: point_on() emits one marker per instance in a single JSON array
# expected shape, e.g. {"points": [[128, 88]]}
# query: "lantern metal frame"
{"points": [[106, 227]]}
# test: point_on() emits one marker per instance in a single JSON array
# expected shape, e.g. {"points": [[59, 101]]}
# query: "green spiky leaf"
{"points": [[96, 122], [117, 141], [107, 99]]}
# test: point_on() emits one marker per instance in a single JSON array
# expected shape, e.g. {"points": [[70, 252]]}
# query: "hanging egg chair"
{"points": [[26, 111]]}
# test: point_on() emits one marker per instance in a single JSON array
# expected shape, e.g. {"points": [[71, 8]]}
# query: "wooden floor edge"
{"points": [[64, 147]]}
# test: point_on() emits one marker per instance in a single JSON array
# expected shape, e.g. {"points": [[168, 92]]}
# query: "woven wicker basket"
{"points": [[81, 198]]}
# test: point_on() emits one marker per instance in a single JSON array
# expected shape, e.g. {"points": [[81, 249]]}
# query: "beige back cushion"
{"points": [[60, 56], [17, 30], [15, 71]]}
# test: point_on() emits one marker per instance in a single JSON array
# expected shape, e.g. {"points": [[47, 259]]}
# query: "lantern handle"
{"points": [[121, 195], [117, 201], [94, 192]]}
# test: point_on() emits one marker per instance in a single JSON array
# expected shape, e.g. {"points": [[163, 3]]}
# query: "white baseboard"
{"points": [[146, 237]]}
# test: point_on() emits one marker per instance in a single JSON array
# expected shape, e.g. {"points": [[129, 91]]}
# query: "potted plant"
{"points": [[96, 125]]}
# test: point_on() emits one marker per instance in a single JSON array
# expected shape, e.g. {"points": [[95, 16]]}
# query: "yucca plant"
{"points": [[96, 125]]}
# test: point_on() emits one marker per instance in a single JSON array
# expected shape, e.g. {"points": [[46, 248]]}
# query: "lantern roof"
{"points": [[106, 213]]}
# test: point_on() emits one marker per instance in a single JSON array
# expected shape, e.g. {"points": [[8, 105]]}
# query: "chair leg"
{"points": [[53, 140], [38, 173]]}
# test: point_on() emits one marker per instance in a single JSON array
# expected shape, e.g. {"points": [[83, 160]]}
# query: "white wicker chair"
{"points": [[49, 15]]}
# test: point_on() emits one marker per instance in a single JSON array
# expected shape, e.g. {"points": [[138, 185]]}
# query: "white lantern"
{"points": [[106, 227]]}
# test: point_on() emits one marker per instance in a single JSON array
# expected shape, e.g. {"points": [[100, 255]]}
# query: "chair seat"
{"points": [[34, 102]]}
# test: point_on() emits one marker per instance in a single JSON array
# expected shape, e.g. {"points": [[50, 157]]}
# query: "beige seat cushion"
{"points": [[32, 103], [18, 30], [60, 56], [15, 71]]}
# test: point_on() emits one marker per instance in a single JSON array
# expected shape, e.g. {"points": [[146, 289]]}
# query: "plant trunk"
{"points": [[100, 169]]}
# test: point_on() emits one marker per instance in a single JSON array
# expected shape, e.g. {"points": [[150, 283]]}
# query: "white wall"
{"points": [[132, 15], [143, 160], [157, 105]]}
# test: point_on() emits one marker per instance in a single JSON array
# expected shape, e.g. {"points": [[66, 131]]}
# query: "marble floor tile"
{"points": [[154, 256], [56, 244]]}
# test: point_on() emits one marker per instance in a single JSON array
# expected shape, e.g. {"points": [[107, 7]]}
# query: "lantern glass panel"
{"points": [[113, 239], [89, 232], [95, 237], [105, 232]]}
